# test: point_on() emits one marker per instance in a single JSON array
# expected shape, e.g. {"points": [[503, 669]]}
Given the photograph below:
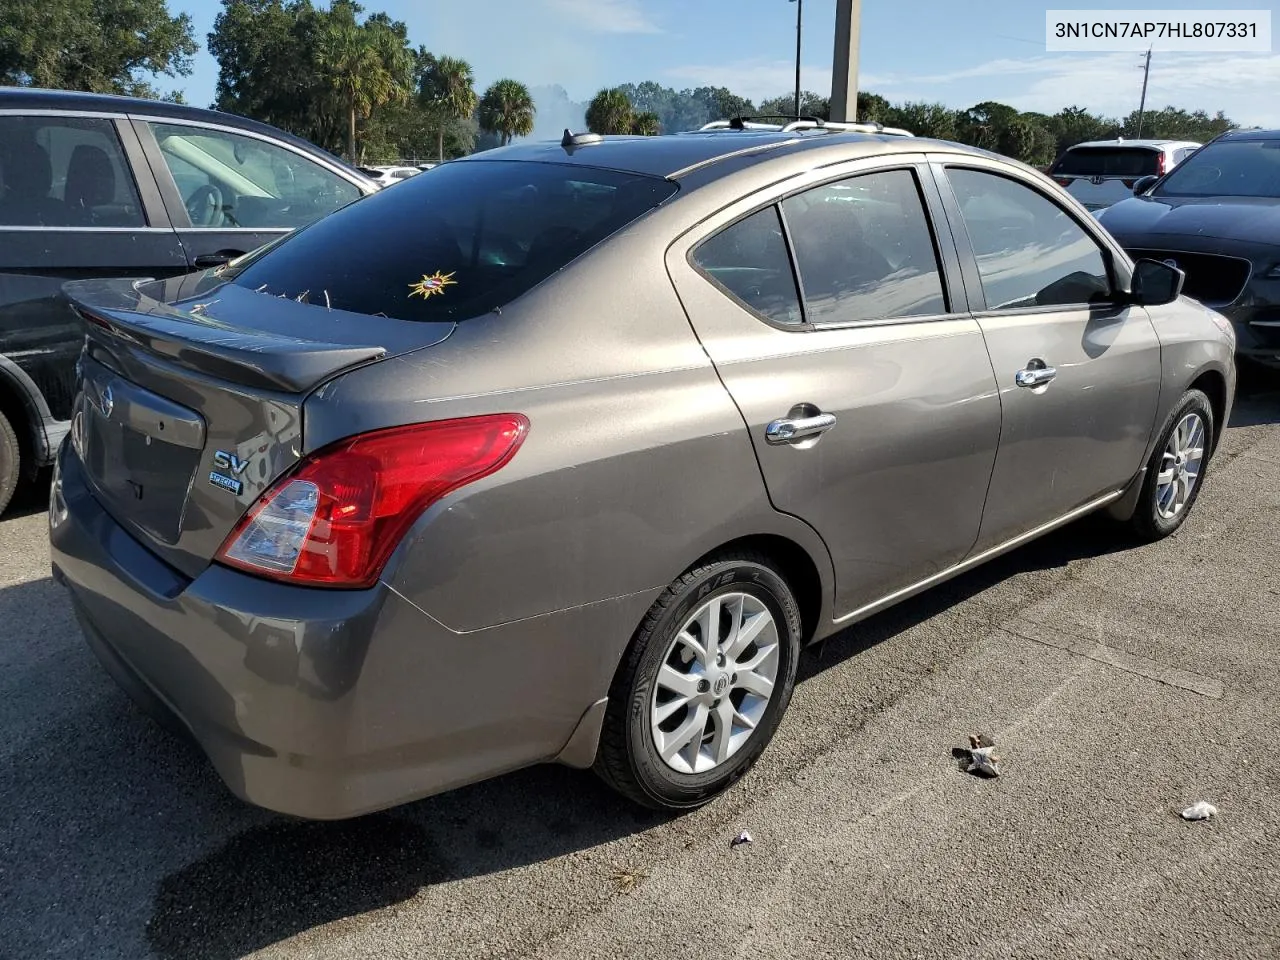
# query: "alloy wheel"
{"points": [[715, 682], [1180, 466]]}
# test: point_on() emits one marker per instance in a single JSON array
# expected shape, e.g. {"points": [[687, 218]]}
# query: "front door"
{"points": [[1078, 371], [866, 389], [230, 192]]}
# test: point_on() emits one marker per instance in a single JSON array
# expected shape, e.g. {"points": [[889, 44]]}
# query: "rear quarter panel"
{"points": [[636, 463]]}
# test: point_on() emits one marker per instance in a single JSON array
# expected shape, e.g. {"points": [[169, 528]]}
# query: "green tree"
{"points": [[811, 105], [1072, 125], [924, 120], [646, 124], [366, 65], [507, 109], [446, 90], [872, 108], [105, 46], [610, 112]]}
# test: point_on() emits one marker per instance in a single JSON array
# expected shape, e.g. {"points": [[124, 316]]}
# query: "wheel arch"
{"points": [[797, 567]]}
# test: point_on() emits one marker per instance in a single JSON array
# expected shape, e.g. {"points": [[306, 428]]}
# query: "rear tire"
{"points": [[683, 723], [10, 462], [1175, 473]]}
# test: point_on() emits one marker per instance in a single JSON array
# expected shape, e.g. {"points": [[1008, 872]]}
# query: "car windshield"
{"points": [[1107, 162], [471, 237], [1229, 168]]}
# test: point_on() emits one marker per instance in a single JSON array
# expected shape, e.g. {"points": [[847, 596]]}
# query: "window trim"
{"points": [[154, 215], [950, 276], [143, 127], [978, 307]]}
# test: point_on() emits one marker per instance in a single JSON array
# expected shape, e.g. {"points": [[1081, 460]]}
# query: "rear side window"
{"points": [[473, 236], [1030, 253], [1107, 162], [864, 250], [749, 262], [65, 172]]}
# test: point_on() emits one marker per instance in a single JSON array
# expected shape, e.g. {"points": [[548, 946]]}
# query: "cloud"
{"points": [[1110, 84], [606, 16]]}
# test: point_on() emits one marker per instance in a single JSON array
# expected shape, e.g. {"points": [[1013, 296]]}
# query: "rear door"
{"points": [[77, 200], [865, 386], [231, 191], [1078, 371]]}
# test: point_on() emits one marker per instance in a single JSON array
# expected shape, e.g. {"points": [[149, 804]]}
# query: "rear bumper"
{"points": [[328, 704]]}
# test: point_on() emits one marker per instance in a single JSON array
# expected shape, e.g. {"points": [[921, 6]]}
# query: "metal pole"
{"points": [[1142, 106], [844, 72], [799, 21]]}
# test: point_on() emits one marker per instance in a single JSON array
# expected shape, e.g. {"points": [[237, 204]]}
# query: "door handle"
{"points": [[1035, 374], [206, 260], [790, 430]]}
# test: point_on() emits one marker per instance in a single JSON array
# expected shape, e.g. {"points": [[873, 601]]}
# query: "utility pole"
{"points": [[844, 69], [1142, 105], [799, 21]]}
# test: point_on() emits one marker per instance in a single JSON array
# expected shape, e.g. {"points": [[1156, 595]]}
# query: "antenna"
{"points": [[1142, 105]]}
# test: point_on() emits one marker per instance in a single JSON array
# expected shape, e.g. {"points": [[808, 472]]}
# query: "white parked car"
{"points": [[385, 176], [1102, 172]]}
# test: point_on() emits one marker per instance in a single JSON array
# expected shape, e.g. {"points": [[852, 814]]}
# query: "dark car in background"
{"points": [[1217, 218], [103, 186]]}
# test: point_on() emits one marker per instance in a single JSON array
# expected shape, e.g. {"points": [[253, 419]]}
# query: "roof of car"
{"points": [[675, 155], [36, 98], [1251, 135], [1142, 144]]}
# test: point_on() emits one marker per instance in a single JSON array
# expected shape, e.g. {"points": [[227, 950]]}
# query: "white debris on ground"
{"points": [[1200, 811], [740, 839], [981, 760]]}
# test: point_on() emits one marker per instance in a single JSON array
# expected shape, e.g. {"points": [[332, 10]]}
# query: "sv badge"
{"points": [[229, 468]]}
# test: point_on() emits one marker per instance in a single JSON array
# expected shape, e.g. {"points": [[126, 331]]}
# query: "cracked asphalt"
{"points": [[1121, 685]]}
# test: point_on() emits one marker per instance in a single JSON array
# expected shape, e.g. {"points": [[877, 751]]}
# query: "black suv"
{"points": [[94, 185]]}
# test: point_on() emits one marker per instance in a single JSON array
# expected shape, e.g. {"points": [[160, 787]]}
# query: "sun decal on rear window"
{"points": [[431, 284]]}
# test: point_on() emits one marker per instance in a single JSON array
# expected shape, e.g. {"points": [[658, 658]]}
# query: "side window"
{"points": [[1030, 252], [749, 261], [229, 180], [864, 250], [65, 172]]}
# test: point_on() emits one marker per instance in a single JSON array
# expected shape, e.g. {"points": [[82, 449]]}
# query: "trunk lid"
{"points": [[191, 397]]}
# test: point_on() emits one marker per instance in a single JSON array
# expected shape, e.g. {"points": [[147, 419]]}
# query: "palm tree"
{"points": [[366, 68], [507, 109], [646, 124], [448, 92], [610, 112]]}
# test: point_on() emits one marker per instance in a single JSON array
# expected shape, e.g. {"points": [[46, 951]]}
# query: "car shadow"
{"points": [[135, 845]]}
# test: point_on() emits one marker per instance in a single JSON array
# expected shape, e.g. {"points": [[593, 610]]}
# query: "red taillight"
{"points": [[1064, 181], [336, 518], [1160, 164]]}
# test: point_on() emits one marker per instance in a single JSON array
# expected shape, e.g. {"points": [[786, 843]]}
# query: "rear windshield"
{"points": [[1107, 162], [473, 236], [1229, 168]]}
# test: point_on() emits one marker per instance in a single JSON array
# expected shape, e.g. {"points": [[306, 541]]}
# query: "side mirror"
{"points": [[1143, 184], [1155, 284]]}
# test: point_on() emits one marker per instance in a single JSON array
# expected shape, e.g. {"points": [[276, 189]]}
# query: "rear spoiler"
{"points": [[115, 310]]}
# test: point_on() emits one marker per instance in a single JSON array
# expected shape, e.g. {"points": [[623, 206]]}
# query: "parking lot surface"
{"points": [[1121, 685]]}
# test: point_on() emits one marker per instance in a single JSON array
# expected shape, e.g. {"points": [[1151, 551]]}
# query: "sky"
{"points": [[958, 53]]}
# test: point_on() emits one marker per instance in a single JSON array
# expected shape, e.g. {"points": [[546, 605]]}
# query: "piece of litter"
{"points": [[1200, 811], [625, 879], [977, 740], [740, 839], [981, 760]]}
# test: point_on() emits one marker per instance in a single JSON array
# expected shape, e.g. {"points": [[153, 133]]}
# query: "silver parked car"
{"points": [[565, 451], [1102, 172]]}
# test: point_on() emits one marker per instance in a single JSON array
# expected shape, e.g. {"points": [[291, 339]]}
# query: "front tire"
{"points": [[1175, 471], [703, 686]]}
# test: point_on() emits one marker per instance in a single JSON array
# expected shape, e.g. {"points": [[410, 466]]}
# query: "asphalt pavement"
{"points": [[1121, 685]]}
